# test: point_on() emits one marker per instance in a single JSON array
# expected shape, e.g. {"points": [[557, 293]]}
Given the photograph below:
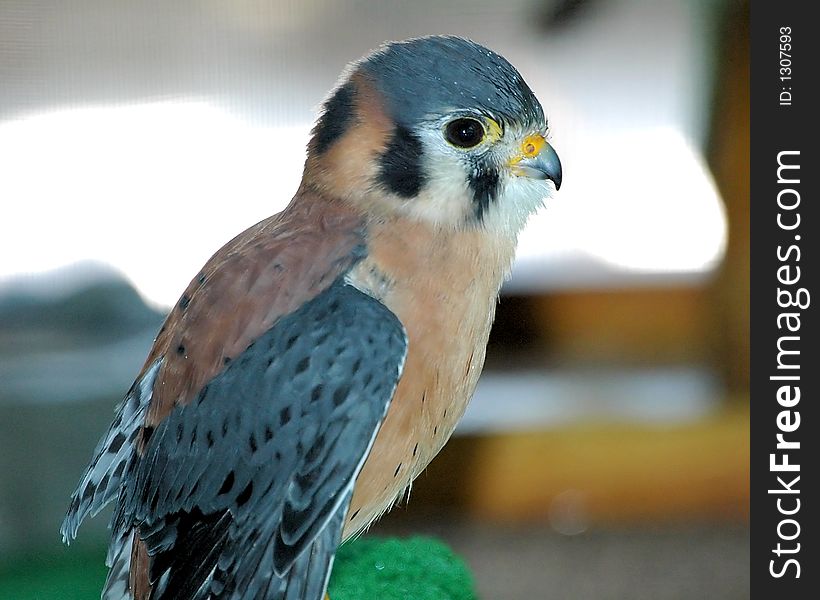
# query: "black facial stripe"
{"points": [[400, 164], [484, 184], [337, 118]]}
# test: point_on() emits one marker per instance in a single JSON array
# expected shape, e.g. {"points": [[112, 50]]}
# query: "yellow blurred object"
{"points": [[601, 473], [644, 325]]}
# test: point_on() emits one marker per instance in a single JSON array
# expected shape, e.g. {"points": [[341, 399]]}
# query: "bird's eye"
{"points": [[464, 133]]}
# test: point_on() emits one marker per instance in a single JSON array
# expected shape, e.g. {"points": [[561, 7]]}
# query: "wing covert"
{"points": [[267, 452]]}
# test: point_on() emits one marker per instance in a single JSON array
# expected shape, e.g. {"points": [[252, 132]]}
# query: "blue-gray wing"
{"points": [[242, 492]]}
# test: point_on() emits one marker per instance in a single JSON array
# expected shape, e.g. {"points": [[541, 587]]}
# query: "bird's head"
{"points": [[437, 129]]}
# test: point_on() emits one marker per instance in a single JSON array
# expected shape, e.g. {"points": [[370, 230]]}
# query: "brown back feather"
{"points": [[267, 271]]}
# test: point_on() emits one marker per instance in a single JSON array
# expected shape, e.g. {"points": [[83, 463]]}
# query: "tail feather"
{"points": [[112, 458], [117, 586], [308, 577]]}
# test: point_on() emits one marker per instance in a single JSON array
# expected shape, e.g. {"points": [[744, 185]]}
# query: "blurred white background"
{"points": [[145, 135]]}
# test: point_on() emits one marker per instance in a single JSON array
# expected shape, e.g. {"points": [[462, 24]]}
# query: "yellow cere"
{"points": [[532, 145]]}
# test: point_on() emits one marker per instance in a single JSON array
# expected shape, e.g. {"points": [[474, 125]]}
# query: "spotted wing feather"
{"points": [[112, 459], [244, 488]]}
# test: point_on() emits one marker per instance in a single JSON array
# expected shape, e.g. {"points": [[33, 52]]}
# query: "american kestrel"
{"points": [[320, 359]]}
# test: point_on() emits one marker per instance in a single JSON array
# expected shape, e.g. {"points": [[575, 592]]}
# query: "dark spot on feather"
{"points": [[209, 437], [201, 278], [469, 363], [147, 432], [435, 430], [336, 119], [180, 349], [245, 495], [226, 360], [303, 365], [88, 492], [315, 449], [268, 434], [356, 366], [355, 514], [291, 340], [415, 448], [225, 427], [116, 443], [340, 394], [308, 480], [252, 443], [184, 301], [180, 431], [193, 437], [120, 468], [284, 416], [227, 484], [316, 392], [396, 472], [423, 396]]}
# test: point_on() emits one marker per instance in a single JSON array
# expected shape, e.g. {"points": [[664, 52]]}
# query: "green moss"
{"points": [[365, 569], [391, 569], [66, 576]]}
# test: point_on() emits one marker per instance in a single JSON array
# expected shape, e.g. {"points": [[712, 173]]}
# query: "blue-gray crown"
{"points": [[431, 76]]}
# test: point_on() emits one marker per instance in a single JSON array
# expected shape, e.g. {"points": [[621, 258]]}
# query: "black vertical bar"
{"points": [[784, 172]]}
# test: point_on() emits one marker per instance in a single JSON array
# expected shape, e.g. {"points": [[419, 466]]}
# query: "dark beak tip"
{"points": [[554, 171]]}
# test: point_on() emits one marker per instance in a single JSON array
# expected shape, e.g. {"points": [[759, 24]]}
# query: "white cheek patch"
{"points": [[445, 199]]}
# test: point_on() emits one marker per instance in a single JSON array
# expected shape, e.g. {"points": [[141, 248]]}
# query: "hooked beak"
{"points": [[538, 160]]}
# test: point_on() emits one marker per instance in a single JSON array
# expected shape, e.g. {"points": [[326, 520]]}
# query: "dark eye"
{"points": [[464, 133]]}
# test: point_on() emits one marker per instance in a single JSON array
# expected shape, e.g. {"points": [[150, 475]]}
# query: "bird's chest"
{"points": [[447, 308], [448, 327]]}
